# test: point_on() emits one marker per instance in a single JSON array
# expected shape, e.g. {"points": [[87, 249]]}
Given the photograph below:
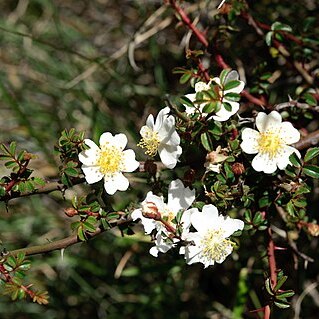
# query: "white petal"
{"points": [[167, 128], [136, 214], [186, 218], [191, 97], [231, 225], [158, 201], [216, 80], [202, 86], [283, 157], [202, 221], [161, 117], [110, 186], [150, 122], [120, 141], [271, 121], [223, 115], [121, 182], [105, 138], [263, 163], [237, 89], [89, 157], [179, 197], [91, 144], [130, 164], [288, 133], [92, 174], [250, 141], [169, 154], [148, 223]]}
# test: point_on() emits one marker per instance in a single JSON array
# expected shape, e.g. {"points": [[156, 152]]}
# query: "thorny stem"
{"points": [[21, 170], [63, 243], [200, 36]]}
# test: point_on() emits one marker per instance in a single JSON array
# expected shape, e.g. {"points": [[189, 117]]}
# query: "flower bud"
{"points": [[238, 168], [70, 212]]}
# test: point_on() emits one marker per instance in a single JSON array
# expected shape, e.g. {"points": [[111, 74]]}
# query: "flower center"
{"points": [[150, 141], [215, 246], [110, 160], [168, 215], [269, 143]]}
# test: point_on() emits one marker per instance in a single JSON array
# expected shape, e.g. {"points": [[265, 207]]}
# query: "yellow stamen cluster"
{"points": [[150, 141], [215, 246], [110, 159], [269, 143]]}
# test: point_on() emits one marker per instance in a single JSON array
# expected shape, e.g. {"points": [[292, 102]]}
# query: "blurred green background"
{"points": [[104, 65]]}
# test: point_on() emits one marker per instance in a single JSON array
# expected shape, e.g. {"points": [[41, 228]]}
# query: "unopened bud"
{"points": [[150, 210], [70, 212], [313, 229], [238, 168]]}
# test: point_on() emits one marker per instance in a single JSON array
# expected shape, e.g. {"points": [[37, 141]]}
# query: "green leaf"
{"points": [[310, 99], [268, 287], [71, 172], [280, 282], [232, 97], [81, 234], [223, 75], [311, 170], [278, 26], [209, 107], [13, 147], [231, 85], [282, 304], [285, 294], [11, 164], [295, 160], [311, 153], [88, 227], [205, 139], [2, 191], [11, 261], [20, 258], [227, 106], [268, 38], [185, 78], [186, 101]]}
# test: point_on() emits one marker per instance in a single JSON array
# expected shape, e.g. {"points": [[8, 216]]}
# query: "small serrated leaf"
{"points": [[231, 85], [311, 170], [206, 141], [280, 282], [185, 78], [311, 153]]}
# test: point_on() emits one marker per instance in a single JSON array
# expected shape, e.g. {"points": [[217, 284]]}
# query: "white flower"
{"points": [[271, 143], [179, 199], [222, 114], [210, 243], [214, 158], [108, 161], [213, 167], [161, 137]]}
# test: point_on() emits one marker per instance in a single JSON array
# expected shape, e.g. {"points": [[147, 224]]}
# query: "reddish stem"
{"points": [[272, 260], [200, 36], [21, 170]]}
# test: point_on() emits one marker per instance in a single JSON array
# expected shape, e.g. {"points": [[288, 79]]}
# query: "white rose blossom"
{"points": [[223, 114], [108, 161], [180, 198], [161, 137], [210, 243], [270, 143]]}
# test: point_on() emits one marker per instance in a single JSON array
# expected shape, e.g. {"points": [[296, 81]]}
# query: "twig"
{"points": [[311, 139], [63, 243]]}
